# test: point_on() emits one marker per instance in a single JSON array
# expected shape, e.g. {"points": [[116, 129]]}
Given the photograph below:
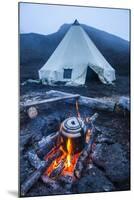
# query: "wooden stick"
{"points": [[85, 153], [46, 144], [24, 139], [30, 181], [51, 183], [56, 186], [51, 100], [34, 160], [46, 140], [93, 103], [58, 170], [93, 117], [66, 179], [25, 187]]}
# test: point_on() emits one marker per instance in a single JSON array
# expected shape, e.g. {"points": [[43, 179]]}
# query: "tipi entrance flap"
{"points": [[91, 74]]}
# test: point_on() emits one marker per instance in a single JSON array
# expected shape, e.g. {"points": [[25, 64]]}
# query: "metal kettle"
{"points": [[73, 128]]}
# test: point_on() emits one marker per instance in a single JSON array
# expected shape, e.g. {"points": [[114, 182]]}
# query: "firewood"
{"points": [[41, 105], [58, 170], [56, 186], [24, 139], [123, 106], [93, 103], [30, 181], [93, 117], [34, 160], [46, 140], [84, 154], [66, 179], [46, 144], [45, 101], [51, 183]]}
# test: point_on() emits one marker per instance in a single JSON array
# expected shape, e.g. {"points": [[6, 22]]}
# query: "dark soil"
{"points": [[94, 88]]}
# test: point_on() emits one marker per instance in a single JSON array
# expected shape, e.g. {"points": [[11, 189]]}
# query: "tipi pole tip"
{"points": [[76, 22]]}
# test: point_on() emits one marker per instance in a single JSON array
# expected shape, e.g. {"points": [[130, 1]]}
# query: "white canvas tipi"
{"points": [[70, 60]]}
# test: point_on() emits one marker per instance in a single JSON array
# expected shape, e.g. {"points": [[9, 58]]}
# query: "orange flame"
{"points": [[69, 150], [68, 158]]}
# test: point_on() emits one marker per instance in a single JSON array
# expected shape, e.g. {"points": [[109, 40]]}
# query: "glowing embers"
{"points": [[63, 165]]}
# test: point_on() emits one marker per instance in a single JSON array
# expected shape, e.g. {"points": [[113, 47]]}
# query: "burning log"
{"points": [[25, 187], [85, 153], [46, 144], [58, 170]]}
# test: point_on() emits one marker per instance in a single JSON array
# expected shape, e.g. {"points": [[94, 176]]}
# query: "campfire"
{"points": [[72, 138], [60, 155], [63, 151]]}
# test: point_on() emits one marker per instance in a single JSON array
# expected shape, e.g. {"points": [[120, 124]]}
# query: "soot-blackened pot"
{"points": [[75, 129]]}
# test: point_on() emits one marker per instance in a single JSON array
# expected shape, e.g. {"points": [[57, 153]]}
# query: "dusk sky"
{"points": [[47, 19]]}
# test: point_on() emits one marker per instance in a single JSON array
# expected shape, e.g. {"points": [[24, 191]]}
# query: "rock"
{"points": [[93, 181], [105, 139], [113, 160]]}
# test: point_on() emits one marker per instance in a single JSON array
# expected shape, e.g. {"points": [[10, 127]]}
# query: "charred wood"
{"points": [[25, 187], [66, 179], [93, 117], [84, 154], [30, 181], [54, 186], [24, 139], [34, 160], [52, 138], [58, 170], [46, 144]]}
